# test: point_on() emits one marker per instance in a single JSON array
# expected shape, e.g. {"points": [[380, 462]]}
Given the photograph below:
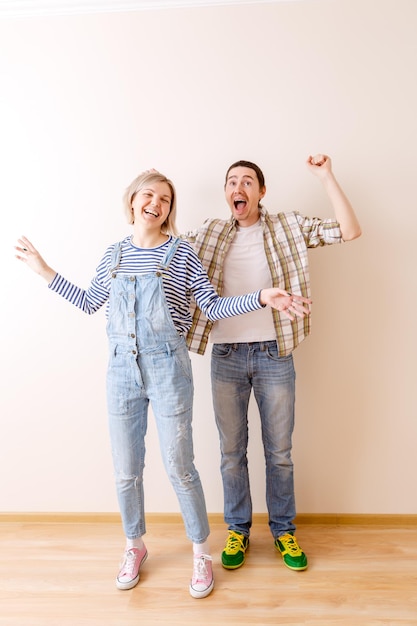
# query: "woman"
{"points": [[147, 281]]}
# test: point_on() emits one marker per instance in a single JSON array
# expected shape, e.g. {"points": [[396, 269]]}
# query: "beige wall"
{"points": [[88, 102]]}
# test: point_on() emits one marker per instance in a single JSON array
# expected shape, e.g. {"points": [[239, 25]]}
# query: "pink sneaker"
{"points": [[202, 582], [128, 576]]}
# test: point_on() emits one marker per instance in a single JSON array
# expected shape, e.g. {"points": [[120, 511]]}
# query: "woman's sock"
{"points": [[201, 548], [134, 543]]}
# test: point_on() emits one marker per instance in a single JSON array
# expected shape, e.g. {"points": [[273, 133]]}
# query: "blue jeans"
{"points": [[236, 369], [164, 378], [149, 363]]}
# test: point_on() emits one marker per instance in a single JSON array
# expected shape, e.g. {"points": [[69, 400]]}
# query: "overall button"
{"points": [[134, 352], [132, 335]]}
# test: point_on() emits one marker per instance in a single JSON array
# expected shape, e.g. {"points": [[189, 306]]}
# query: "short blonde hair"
{"points": [[169, 226]]}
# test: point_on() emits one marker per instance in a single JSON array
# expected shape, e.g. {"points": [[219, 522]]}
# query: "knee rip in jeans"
{"points": [[121, 477], [182, 431], [184, 478]]}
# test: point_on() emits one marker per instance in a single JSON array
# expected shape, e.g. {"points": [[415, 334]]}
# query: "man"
{"points": [[254, 351]]}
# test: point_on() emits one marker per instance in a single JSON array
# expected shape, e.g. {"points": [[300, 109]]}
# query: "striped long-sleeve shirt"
{"points": [[184, 278]]}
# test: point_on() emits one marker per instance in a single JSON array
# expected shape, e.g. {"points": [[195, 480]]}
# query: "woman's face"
{"points": [[151, 204]]}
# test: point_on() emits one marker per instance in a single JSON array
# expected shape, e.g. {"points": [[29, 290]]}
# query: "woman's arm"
{"points": [[29, 255], [89, 301]]}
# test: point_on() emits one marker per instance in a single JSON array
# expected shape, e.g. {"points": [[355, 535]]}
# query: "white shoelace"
{"points": [[200, 572], [128, 563]]}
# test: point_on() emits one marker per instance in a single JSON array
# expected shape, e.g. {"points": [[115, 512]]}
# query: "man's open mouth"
{"points": [[239, 204]]}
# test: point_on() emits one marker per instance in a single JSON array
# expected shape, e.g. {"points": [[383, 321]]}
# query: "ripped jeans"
{"points": [[149, 363], [163, 377]]}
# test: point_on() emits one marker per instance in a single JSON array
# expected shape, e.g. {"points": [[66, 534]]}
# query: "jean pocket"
{"points": [[222, 350], [183, 362], [272, 353]]}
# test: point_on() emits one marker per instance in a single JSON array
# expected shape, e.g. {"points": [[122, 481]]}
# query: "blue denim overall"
{"points": [[149, 362]]}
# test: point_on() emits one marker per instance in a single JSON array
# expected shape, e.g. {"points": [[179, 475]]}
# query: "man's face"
{"points": [[243, 195]]}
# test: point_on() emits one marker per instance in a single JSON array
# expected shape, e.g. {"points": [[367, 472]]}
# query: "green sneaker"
{"points": [[293, 556], [233, 556]]}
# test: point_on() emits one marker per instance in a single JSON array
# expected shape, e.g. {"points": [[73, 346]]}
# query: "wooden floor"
{"points": [[57, 574]]}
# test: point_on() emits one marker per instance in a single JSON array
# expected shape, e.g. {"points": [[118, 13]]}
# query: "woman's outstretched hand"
{"points": [[289, 304], [26, 252]]}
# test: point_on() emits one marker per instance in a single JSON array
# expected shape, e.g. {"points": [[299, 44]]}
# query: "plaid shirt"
{"points": [[287, 236]]}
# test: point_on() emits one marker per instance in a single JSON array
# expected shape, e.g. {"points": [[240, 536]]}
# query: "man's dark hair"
{"points": [[252, 166]]}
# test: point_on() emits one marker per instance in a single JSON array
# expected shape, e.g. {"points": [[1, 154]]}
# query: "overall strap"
{"points": [[115, 257], [164, 264]]}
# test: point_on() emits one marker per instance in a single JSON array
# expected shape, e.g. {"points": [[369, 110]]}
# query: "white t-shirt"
{"points": [[245, 270]]}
